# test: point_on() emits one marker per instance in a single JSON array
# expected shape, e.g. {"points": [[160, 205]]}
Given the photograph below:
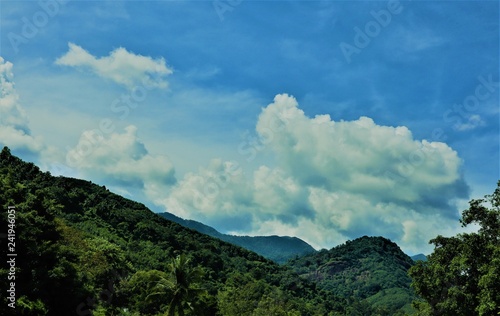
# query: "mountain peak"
{"points": [[367, 268]]}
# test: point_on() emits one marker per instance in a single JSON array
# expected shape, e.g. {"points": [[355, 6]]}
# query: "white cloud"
{"points": [[380, 162], [12, 113], [278, 194], [121, 160], [218, 194], [333, 181], [14, 125], [473, 122], [121, 66], [363, 177]]}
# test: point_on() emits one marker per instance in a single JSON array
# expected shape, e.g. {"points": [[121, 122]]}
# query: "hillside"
{"points": [[277, 248], [82, 250], [420, 257], [371, 269]]}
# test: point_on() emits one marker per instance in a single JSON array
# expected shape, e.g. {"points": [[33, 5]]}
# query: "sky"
{"points": [[325, 120]]}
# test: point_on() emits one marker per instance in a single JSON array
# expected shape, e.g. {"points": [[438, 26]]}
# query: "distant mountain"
{"points": [[277, 248], [418, 257], [372, 270]]}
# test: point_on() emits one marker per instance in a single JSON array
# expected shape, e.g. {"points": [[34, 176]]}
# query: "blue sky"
{"points": [[327, 120]]}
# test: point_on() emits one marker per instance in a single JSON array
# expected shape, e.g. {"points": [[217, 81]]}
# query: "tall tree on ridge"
{"points": [[462, 275]]}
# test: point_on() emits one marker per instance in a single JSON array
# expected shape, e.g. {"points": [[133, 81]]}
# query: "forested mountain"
{"points": [[277, 248], [373, 270], [83, 250]]}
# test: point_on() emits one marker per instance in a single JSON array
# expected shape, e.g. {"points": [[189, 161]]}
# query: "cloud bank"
{"points": [[14, 124], [121, 66], [332, 181]]}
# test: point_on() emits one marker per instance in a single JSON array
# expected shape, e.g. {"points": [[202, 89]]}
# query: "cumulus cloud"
{"points": [[218, 195], [280, 195], [122, 160], [121, 66], [382, 163], [343, 179], [14, 125]]}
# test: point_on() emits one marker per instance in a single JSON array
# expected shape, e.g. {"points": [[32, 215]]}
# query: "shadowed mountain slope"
{"points": [[277, 248]]}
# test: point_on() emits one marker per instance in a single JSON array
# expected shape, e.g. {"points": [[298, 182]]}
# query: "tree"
{"points": [[462, 275], [182, 286], [134, 293], [241, 295]]}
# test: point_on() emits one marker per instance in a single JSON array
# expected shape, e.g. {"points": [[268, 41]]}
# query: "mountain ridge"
{"points": [[276, 248], [419, 256]]}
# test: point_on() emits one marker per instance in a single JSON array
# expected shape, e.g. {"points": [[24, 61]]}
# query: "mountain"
{"points": [[82, 250], [277, 248], [372, 270], [418, 257], [75, 248]]}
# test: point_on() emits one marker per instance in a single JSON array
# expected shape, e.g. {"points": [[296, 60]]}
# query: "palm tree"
{"points": [[182, 285]]}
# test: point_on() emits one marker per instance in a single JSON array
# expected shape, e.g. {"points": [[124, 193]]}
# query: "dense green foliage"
{"points": [[370, 272], [184, 285], [277, 248], [83, 250], [462, 275]]}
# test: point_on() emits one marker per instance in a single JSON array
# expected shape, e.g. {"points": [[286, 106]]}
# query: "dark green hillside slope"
{"points": [[83, 250], [277, 248], [370, 269]]}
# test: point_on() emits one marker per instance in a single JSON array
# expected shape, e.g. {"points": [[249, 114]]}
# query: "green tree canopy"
{"points": [[182, 286], [462, 275]]}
